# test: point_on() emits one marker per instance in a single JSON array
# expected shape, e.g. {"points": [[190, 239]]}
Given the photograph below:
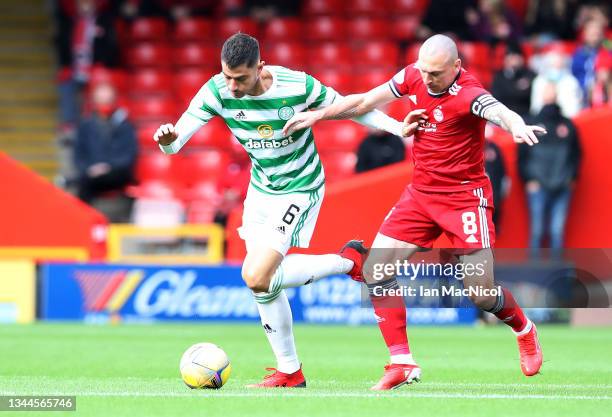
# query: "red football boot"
{"points": [[279, 379], [396, 375], [530, 351], [356, 252]]}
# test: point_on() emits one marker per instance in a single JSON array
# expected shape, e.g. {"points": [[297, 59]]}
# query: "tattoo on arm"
{"points": [[347, 114]]}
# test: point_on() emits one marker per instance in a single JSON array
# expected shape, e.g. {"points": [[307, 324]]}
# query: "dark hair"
{"points": [[240, 49]]}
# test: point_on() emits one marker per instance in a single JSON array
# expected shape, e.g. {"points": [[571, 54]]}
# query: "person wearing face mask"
{"points": [[549, 172], [567, 88], [105, 148]]}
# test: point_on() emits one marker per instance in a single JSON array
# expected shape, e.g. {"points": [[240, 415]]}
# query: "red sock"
{"points": [[510, 312], [390, 314]]}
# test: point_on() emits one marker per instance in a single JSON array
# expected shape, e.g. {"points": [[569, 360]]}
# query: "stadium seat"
{"points": [[564, 47], [412, 53], [326, 28], [287, 29], [330, 55], [288, 54], [519, 7], [205, 191], [201, 212], [154, 189], [229, 26], [373, 78], [149, 54], [118, 78], [312, 8], [378, 55], [193, 29], [159, 212], [151, 81], [483, 75], [341, 81], [145, 137], [475, 55], [189, 81], [344, 135], [215, 134], [403, 28], [153, 166], [152, 109], [368, 29], [338, 165], [203, 165], [149, 29], [195, 55], [367, 8], [408, 7]]}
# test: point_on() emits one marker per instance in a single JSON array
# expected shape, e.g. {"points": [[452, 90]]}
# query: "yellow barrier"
{"points": [[17, 291], [45, 253], [213, 233]]}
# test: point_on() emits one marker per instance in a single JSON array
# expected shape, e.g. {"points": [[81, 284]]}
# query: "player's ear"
{"points": [[260, 66], [458, 63]]}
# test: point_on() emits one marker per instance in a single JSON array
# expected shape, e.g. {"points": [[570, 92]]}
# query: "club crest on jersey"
{"points": [[286, 112], [437, 114], [265, 131]]}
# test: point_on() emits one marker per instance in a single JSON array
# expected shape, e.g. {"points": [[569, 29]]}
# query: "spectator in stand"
{"points": [[512, 84], [379, 148], [105, 148], [550, 19], [601, 93], [446, 16], [583, 61], [549, 172], [493, 22], [85, 36], [568, 91]]}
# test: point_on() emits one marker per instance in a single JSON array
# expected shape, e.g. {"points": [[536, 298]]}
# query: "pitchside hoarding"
{"points": [[136, 293]]}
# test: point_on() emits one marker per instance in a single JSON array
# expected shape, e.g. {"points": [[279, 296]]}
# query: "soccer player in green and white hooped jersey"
{"points": [[287, 182]]}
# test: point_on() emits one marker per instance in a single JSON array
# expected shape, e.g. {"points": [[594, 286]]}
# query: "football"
{"points": [[205, 365]]}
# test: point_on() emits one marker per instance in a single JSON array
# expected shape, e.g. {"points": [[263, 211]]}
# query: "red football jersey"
{"points": [[448, 149]]}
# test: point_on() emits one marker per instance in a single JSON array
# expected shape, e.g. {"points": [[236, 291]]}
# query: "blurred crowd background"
{"points": [[125, 67]]}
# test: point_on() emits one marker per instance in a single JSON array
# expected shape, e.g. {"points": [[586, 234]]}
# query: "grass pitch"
{"points": [[132, 370]]}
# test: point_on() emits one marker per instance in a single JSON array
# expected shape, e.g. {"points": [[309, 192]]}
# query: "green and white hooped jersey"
{"points": [[280, 165]]}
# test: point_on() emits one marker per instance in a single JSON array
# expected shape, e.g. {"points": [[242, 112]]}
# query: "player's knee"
{"points": [[255, 280]]}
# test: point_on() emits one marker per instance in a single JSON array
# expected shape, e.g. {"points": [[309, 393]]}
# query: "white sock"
{"points": [[276, 320], [297, 270], [404, 358], [526, 330]]}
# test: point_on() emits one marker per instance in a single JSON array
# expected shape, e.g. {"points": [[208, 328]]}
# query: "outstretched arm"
{"points": [[487, 107], [349, 107]]}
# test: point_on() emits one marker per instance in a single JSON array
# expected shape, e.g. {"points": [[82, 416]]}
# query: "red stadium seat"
{"points": [[189, 81], [338, 165], [564, 47], [229, 26], [519, 7], [373, 78], [153, 166], [378, 55], [151, 81], [205, 191], [193, 29], [485, 76], [339, 136], [412, 53], [403, 28], [201, 212], [286, 29], [145, 136], [341, 81], [475, 55], [118, 78], [149, 29], [215, 134], [408, 7], [149, 55], [152, 109], [153, 189], [322, 7], [288, 54], [203, 165], [367, 8], [331, 55], [368, 29], [326, 29], [195, 55]]}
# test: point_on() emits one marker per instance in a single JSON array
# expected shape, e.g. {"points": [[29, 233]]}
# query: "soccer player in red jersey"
{"points": [[450, 193]]}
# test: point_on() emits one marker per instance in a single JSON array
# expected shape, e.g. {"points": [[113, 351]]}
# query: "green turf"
{"points": [[133, 371]]}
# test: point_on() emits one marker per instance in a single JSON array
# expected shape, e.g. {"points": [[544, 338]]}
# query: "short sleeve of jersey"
{"points": [[398, 84], [318, 96]]}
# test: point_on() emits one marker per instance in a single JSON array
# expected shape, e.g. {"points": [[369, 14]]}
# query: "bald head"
{"points": [[438, 63]]}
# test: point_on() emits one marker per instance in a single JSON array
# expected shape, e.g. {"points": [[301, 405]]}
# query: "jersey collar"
{"points": [[439, 95]]}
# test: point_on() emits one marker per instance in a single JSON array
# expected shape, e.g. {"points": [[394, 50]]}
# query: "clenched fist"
{"points": [[165, 135]]}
